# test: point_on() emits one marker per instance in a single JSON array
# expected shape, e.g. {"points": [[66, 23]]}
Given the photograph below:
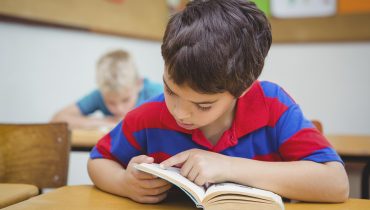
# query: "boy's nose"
{"points": [[181, 112]]}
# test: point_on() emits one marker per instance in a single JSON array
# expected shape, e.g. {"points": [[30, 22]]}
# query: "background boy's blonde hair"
{"points": [[116, 71]]}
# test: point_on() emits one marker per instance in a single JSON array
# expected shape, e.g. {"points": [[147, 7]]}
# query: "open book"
{"points": [[225, 196]]}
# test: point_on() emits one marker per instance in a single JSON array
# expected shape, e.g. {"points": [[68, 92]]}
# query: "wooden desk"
{"points": [[90, 198], [14, 193], [350, 145], [85, 140]]}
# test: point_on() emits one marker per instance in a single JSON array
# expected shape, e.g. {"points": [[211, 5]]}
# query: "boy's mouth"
{"points": [[187, 126]]}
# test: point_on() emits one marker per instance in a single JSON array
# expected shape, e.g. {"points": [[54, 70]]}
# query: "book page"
{"points": [[172, 174], [232, 188]]}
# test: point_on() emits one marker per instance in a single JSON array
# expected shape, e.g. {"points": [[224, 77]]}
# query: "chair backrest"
{"points": [[36, 154], [318, 125]]}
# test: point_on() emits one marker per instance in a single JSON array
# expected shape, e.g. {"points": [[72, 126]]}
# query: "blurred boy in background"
{"points": [[120, 89]]}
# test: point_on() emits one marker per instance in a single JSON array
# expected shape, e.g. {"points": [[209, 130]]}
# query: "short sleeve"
{"points": [[118, 145], [300, 140], [91, 103]]}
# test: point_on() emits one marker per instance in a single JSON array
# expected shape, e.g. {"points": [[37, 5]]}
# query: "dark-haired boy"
{"points": [[216, 120]]}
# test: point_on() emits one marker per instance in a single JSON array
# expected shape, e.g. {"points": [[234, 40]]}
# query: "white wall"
{"points": [[331, 82], [43, 69]]}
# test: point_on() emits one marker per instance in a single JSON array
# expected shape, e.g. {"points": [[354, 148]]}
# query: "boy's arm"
{"points": [[299, 180], [111, 177], [75, 119]]}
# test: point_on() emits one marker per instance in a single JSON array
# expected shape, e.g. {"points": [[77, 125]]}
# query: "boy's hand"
{"points": [[200, 166], [143, 187]]}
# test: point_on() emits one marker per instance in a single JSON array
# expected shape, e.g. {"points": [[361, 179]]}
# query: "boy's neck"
{"points": [[214, 131]]}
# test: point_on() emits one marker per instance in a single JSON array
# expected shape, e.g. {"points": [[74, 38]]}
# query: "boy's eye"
{"points": [[169, 92], [202, 108]]}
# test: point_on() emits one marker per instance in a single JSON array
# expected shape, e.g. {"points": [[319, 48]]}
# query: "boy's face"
{"points": [[121, 102], [193, 110]]}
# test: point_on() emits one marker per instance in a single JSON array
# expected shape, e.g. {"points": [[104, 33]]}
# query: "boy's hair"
{"points": [[217, 45], [116, 71]]}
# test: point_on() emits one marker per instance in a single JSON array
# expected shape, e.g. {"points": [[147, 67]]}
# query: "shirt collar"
{"points": [[251, 111], [251, 114]]}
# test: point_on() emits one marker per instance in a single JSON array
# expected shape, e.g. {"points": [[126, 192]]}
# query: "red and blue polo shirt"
{"points": [[268, 126]]}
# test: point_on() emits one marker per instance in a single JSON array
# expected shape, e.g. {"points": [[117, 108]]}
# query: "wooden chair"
{"points": [[36, 154], [318, 125]]}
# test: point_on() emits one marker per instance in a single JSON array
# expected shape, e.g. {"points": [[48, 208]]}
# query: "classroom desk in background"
{"points": [[87, 197], [349, 147], [14, 193], [85, 140]]}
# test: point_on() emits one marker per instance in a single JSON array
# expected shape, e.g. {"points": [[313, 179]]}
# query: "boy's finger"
{"points": [[154, 183], [152, 198], [158, 190], [187, 167], [142, 159], [143, 175], [177, 159]]}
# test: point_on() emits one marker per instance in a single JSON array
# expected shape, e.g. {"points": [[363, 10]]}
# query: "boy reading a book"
{"points": [[216, 121], [120, 89]]}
